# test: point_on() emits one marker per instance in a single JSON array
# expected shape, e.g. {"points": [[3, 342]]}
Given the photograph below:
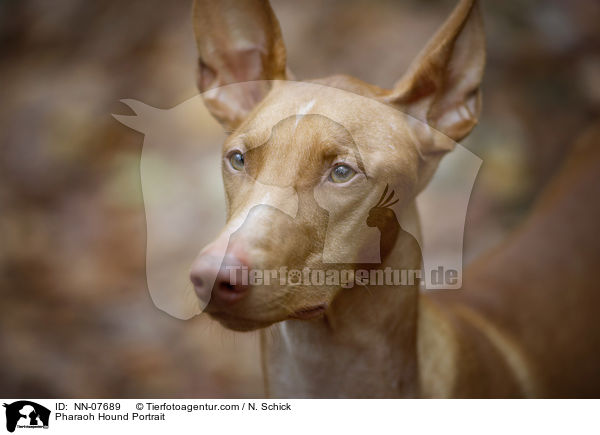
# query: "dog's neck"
{"points": [[365, 346]]}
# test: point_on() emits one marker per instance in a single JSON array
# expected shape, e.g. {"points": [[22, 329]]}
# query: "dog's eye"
{"points": [[237, 161], [341, 174]]}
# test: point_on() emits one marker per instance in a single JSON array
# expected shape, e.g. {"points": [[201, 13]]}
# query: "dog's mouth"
{"points": [[310, 312], [237, 323]]}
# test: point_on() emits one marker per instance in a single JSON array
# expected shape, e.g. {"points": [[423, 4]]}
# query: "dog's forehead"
{"points": [[298, 149], [299, 121], [362, 117]]}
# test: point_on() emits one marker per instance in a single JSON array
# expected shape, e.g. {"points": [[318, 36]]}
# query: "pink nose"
{"points": [[220, 281]]}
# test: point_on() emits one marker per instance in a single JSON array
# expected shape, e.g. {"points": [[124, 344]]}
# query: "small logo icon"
{"points": [[26, 414]]}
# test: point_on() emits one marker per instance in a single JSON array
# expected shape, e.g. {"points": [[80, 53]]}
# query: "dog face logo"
{"points": [[26, 414]]}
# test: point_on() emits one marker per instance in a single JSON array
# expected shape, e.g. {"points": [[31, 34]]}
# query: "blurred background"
{"points": [[76, 319]]}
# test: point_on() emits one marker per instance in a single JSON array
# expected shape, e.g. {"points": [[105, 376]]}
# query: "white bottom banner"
{"points": [[155, 416]]}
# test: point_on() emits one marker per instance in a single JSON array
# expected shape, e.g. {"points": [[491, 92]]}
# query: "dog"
{"points": [[323, 154]]}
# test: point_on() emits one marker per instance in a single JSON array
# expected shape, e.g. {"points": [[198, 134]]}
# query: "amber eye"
{"points": [[237, 161], [341, 174]]}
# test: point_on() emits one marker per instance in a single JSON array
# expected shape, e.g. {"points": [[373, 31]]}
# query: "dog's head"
{"points": [[305, 163]]}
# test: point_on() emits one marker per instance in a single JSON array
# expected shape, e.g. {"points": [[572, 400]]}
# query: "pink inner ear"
{"points": [[234, 86], [206, 76], [247, 65], [231, 67], [230, 104]]}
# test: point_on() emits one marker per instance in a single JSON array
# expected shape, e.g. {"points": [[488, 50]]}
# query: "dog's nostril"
{"points": [[229, 293], [197, 281], [200, 285], [226, 286]]}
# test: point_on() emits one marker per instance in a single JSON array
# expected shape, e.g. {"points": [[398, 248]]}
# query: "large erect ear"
{"points": [[239, 41], [441, 88]]}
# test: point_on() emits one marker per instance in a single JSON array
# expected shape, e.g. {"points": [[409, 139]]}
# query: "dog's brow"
{"points": [[233, 143], [248, 140], [335, 149], [332, 150]]}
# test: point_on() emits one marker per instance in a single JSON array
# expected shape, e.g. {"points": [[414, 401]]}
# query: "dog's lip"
{"points": [[310, 312], [238, 323]]}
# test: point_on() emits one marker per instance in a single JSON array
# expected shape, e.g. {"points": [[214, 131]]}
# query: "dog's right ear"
{"points": [[239, 41]]}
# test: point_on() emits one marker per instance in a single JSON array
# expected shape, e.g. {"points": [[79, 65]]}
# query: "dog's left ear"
{"points": [[441, 88], [240, 45]]}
